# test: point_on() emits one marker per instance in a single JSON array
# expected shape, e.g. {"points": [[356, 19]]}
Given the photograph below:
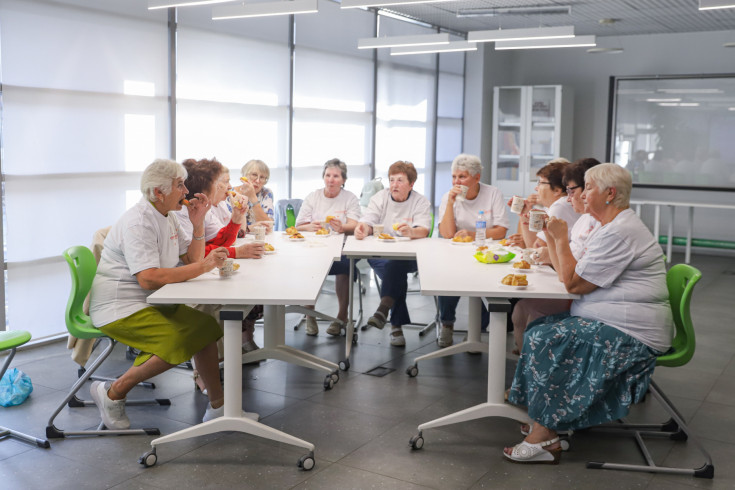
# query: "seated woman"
{"points": [[141, 254], [585, 367], [458, 218], [261, 210], [399, 209], [551, 195], [339, 209], [527, 310]]}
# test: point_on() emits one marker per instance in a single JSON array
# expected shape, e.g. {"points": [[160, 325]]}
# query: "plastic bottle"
{"points": [[480, 227]]}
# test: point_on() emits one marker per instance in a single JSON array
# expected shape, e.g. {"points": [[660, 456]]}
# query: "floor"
{"points": [[361, 428]]}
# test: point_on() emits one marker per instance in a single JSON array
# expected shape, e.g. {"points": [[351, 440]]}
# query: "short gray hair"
{"points": [[160, 175], [255, 165], [612, 176], [470, 163], [336, 163]]}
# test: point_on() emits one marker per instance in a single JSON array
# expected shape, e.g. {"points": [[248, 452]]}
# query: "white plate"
{"points": [[269, 252], [513, 287], [387, 240], [463, 243], [403, 238], [524, 271], [296, 239], [322, 236]]}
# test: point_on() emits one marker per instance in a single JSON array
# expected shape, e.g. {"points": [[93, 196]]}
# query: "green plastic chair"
{"points": [[290, 216], [11, 340], [680, 281], [82, 266]]}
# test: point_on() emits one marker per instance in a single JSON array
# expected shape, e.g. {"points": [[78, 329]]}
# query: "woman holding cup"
{"points": [[458, 210], [339, 210], [255, 175]]}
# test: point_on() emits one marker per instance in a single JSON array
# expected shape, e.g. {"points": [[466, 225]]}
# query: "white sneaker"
{"points": [[397, 340], [311, 326], [445, 337], [111, 411], [249, 346], [213, 413], [335, 328]]}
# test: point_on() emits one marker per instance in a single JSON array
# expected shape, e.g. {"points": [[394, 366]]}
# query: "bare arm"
{"points": [[156, 278]]}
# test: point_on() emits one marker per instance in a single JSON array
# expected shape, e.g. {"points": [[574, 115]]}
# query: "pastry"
{"points": [[522, 265], [328, 219], [268, 247], [322, 231], [291, 230], [385, 236]]}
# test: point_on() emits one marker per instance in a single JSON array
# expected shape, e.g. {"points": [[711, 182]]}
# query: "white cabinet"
{"points": [[531, 125]]}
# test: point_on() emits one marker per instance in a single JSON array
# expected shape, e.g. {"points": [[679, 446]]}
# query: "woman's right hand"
{"points": [[247, 189], [453, 193], [313, 226], [215, 258], [516, 240], [250, 250], [361, 230]]}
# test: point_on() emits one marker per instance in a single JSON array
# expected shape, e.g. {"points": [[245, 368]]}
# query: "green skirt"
{"points": [[174, 333]]}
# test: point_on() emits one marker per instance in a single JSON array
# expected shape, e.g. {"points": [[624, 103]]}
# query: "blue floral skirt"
{"points": [[576, 373]]}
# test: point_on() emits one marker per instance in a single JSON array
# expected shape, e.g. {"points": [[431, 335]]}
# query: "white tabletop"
{"points": [[371, 247]]}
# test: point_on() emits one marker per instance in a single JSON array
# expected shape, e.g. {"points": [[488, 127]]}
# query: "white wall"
{"points": [[589, 76]]}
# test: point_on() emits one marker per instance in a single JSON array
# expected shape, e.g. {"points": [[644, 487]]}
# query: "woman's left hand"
{"points": [[336, 225], [198, 207], [463, 233], [404, 230], [557, 228], [313, 226]]}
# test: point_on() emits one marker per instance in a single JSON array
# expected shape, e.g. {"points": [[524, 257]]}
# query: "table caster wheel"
{"points": [[344, 365], [328, 382], [149, 459], [335, 377], [306, 463], [412, 370], [416, 442], [354, 339], [564, 443]]}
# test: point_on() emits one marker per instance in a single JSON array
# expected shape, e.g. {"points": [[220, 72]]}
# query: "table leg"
{"points": [[350, 326], [688, 253], [670, 241]]}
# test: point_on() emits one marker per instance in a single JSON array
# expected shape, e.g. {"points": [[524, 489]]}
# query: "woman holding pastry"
{"points": [[332, 208], [142, 253], [255, 175], [586, 367], [407, 213], [458, 210]]}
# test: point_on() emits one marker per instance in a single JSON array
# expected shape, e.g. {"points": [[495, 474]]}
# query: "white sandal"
{"points": [[527, 453], [397, 340], [377, 320]]}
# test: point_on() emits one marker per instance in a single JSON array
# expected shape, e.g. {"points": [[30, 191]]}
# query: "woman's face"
{"points": [[400, 187], [594, 199], [218, 191], [463, 177], [333, 180], [546, 195], [574, 196], [172, 200], [257, 178]]}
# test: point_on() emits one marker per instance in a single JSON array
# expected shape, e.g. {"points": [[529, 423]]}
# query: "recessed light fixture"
{"points": [[664, 100], [164, 4], [496, 12], [716, 4], [264, 9], [521, 34], [439, 48], [577, 42], [403, 41]]}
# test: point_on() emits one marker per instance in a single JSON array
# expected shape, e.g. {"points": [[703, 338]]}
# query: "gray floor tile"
{"points": [[339, 477]]}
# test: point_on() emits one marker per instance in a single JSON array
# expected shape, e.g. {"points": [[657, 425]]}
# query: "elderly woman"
{"points": [[141, 254], [586, 367], [528, 310], [339, 209], [257, 174], [551, 194], [458, 220], [398, 209]]}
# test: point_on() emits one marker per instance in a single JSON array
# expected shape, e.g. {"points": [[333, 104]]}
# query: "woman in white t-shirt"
{"points": [[141, 253], [339, 210], [586, 367], [458, 218], [402, 212]]}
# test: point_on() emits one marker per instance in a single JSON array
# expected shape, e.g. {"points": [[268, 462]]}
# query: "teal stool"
{"points": [[11, 340]]}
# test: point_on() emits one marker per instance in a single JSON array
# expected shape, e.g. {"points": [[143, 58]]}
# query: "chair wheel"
{"points": [[412, 371], [328, 382], [416, 442], [306, 463], [335, 377], [149, 459], [344, 365]]}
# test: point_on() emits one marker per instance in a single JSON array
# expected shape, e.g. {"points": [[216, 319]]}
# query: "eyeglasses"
{"points": [[255, 177], [571, 189], [543, 183]]}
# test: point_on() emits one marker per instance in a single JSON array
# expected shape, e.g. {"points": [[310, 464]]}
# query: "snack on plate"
{"points": [[462, 239], [515, 280], [385, 236], [504, 241], [268, 247], [481, 249], [291, 230], [322, 231], [235, 266], [522, 265], [296, 236], [244, 179], [185, 202], [329, 218]]}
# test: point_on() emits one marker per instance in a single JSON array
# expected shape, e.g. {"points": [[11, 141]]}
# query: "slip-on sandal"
{"points": [[397, 340], [525, 432], [527, 453], [377, 320], [335, 328]]}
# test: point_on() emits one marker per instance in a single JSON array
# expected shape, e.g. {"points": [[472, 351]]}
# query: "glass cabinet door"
{"points": [[508, 145], [543, 124]]}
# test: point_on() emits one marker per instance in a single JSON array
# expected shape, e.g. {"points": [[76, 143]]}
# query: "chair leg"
{"points": [[675, 429], [52, 432]]}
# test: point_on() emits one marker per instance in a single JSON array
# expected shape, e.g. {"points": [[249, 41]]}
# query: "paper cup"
{"points": [[378, 229], [517, 205], [259, 233], [463, 193], [228, 268], [536, 220]]}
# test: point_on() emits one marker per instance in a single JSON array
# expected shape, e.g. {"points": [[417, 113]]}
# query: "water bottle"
{"points": [[480, 227]]}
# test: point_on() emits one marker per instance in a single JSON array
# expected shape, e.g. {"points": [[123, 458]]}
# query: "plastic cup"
{"points": [[463, 193], [228, 268], [378, 229], [259, 233], [517, 205], [536, 220]]}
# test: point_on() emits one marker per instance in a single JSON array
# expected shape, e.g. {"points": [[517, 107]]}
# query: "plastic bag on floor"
{"points": [[14, 387]]}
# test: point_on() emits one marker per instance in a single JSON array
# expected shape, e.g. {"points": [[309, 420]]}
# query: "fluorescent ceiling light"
{"points": [[264, 9], [716, 4], [679, 104], [353, 4], [578, 41], [439, 48], [521, 34], [605, 50], [495, 12], [163, 4], [394, 41], [731, 108], [690, 90], [668, 104], [663, 100]]}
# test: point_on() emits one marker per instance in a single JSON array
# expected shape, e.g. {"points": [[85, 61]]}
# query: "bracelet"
{"points": [[201, 237]]}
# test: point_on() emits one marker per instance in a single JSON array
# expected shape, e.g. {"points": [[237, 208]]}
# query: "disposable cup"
{"points": [[517, 205], [536, 220], [228, 268], [378, 229], [463, 193]]}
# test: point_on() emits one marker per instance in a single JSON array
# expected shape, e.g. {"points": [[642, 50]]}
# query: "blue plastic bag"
{"points": [[14, 387]]}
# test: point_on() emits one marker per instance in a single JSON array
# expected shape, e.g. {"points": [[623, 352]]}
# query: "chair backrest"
{"points": [[282, 215], [82, 267], [680, 280], [290, 216], [431, 226]]}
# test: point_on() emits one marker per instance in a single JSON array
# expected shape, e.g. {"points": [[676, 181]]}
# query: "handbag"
{"points": [[15, 386]]}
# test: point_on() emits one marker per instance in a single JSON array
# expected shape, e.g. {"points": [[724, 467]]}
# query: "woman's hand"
{"points": [[557, 228], [198, 207], [268, 225], [216, 258], [404, 230], [453, 193], [239, 213], [250, 250], [248, 190], [362, 230], [516, 240], [313, 226], [541, 255], [336, 225], [464, 233]]}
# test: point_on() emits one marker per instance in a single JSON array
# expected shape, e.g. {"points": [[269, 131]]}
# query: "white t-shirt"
{"points": [[142, 239], [585, 226], [317, 206], [216, 218], [627, 264], [489, 200], [562, 209], [415, 211]]}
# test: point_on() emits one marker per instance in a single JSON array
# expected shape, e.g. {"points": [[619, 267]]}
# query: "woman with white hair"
{"points": [[587, 366], [141, 254], [261, 210], [458, 218]]}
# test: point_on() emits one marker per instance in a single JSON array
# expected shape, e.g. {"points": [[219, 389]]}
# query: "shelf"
{"points": [[543, 124], [510, 124], [509, 157]]}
